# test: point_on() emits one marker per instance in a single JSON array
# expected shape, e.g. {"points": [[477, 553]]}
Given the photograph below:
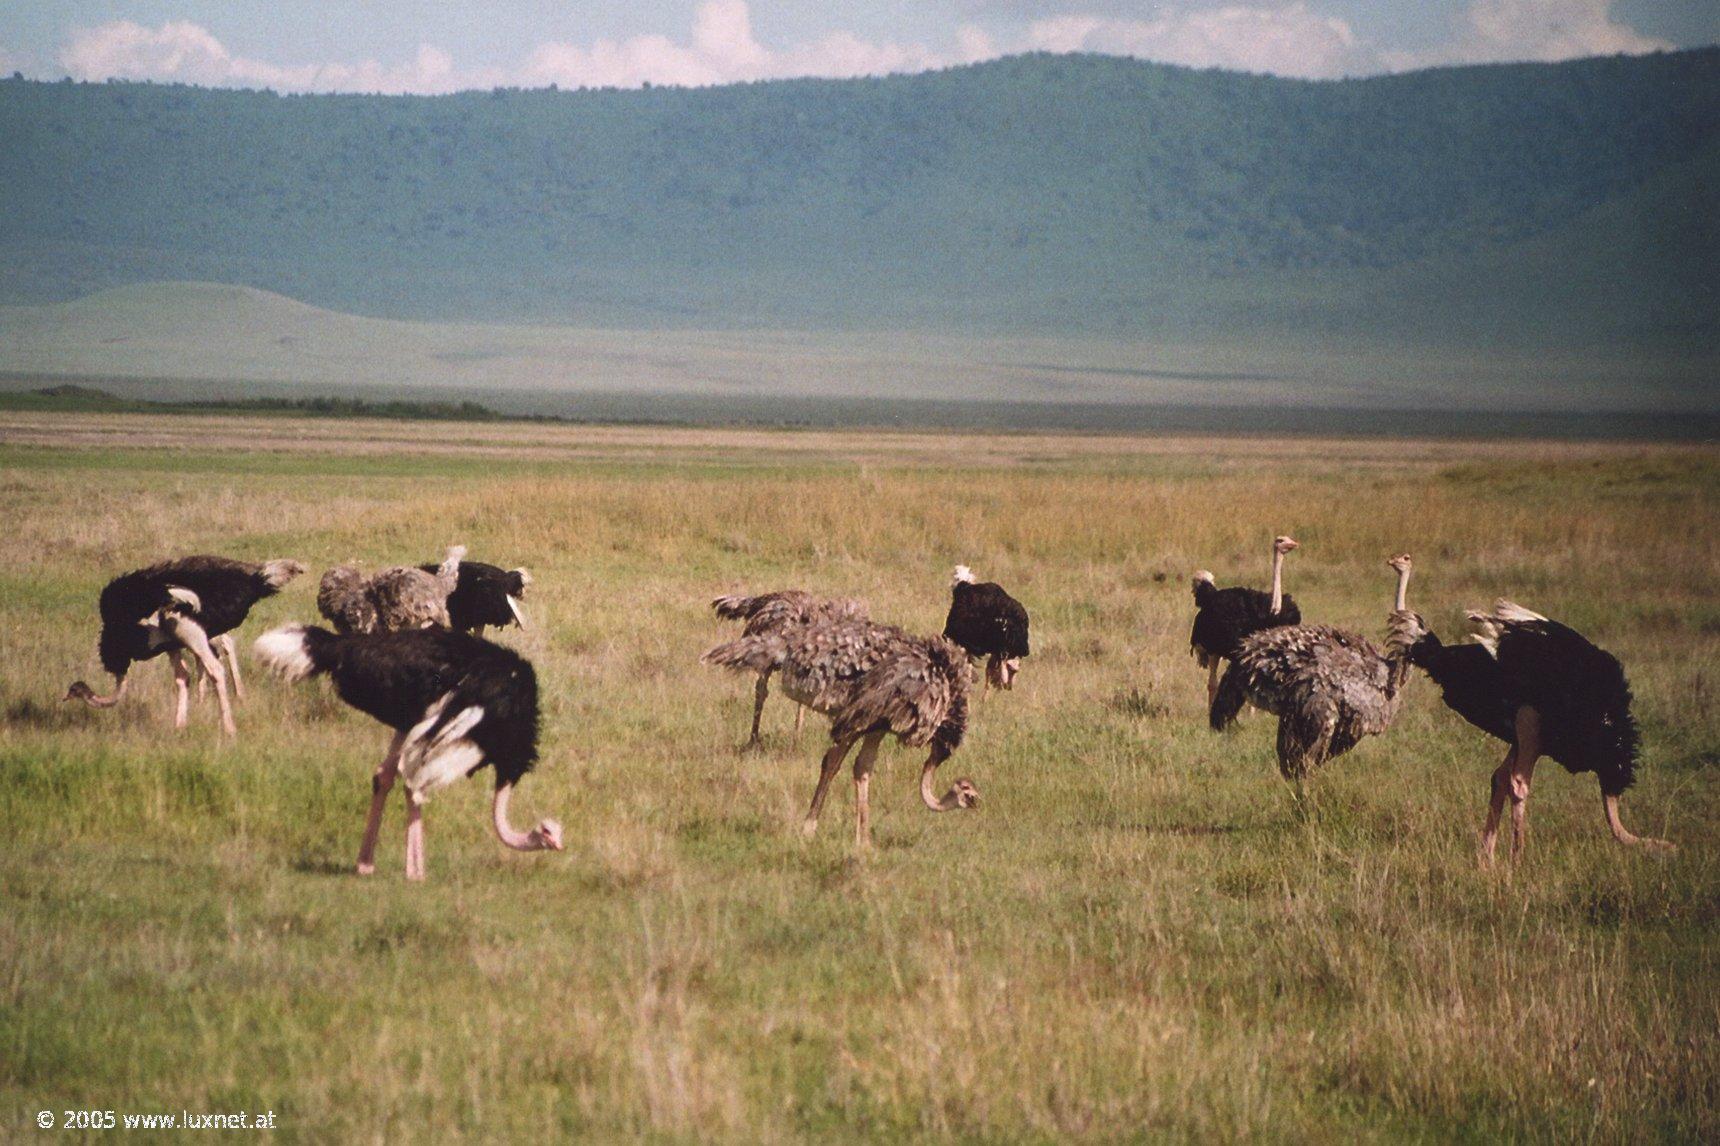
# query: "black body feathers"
{"points": [[481, 595], [225, 590], [398, 677], [1579, 690], [1226, 616], [986, 621]]}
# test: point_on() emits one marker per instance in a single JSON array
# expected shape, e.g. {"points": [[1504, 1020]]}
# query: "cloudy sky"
{"points": [[431, 46]]}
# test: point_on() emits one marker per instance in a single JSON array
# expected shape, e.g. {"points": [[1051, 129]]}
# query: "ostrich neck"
{"points": [[1401, 601], [1277, 580], [519, 841], [949, 800]]}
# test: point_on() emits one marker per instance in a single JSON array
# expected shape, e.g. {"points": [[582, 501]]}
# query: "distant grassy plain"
{"points": [[1134, 936]]}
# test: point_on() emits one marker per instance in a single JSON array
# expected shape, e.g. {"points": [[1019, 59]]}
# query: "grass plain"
{"points": [[1134, 936]]}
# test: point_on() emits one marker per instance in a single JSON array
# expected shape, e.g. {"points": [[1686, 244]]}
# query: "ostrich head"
{"points": [[967, 796], [80, 690], [962, 576], [1283, 543], [1403, 565], [546, 836]]}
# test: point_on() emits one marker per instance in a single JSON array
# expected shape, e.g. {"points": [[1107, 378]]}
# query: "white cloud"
{"points": [[1492, 31], [722, 50], [1285, 38], [189, 53]]}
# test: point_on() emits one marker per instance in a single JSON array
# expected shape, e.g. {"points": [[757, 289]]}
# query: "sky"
{"points": [[427, 46]]}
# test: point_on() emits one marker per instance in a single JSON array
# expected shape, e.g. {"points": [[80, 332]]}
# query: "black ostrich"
{"points": [[987, 622], [456, 702], [1546, 691], [485, 595], [1225, 616], [190, 604]]}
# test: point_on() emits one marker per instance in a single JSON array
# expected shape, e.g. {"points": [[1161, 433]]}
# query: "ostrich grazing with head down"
{"points": [[872, 681], [485, 595], [1328, 687], [778, 612], [987, 622], [455, 702], [1544, 690], [1224, 617], [393, 600], [191, 604]]}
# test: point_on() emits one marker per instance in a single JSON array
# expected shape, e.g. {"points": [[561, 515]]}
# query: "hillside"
{"points": [[1507, 207]]}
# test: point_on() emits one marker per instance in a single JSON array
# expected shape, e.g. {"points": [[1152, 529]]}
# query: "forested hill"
{"points": [[1520, 203]]}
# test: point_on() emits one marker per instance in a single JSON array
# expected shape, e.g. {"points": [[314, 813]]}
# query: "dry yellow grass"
{"points": [[1135, 936]]}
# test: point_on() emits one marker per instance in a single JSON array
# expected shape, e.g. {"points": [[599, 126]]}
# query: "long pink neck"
{"points": [[1277, 579], [1402, 591], [519, 841], [949, 799]]}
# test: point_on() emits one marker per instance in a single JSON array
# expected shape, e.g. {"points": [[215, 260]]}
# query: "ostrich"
{"points": [[393, 600], [1224, 617], [485, 595], [455, 702], [1329, 688], [871, 680], [1544, 690], [777, 612], [191, 604], [987, 622]]}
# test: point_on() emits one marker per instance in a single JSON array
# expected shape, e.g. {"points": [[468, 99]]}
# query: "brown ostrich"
{"points": [[1328, 687], [778, 612], [872, 681], [391, 601]]}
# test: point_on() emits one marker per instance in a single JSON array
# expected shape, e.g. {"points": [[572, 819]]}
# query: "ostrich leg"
{"points": [[181, 689], [1211, 682], [832, 765], [760, 691], [862, 788], [1501, 787], [1522, 775], [190, 634], [380, 783], [799, 721], [414, 836], [225, 643]]}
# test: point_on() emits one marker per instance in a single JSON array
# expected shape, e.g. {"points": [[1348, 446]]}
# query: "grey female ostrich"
{"points": [[393, 600], [778, 612], [455, 702], [872, 681], [191, 604], [1223, 617], [1329, 688], [1545, 690]]}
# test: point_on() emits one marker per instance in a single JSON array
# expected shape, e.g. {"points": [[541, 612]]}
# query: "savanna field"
{"points": [[1137, 935]]}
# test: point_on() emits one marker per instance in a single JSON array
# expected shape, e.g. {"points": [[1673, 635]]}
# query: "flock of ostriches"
{"points": [[407, 648]]}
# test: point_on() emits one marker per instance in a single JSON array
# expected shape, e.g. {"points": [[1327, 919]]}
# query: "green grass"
{"points": [[1135, 936]]}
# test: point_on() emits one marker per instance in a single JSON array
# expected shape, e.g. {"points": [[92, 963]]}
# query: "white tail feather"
{"points": [[519, 613], [283, 651], [1504, 610]]}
